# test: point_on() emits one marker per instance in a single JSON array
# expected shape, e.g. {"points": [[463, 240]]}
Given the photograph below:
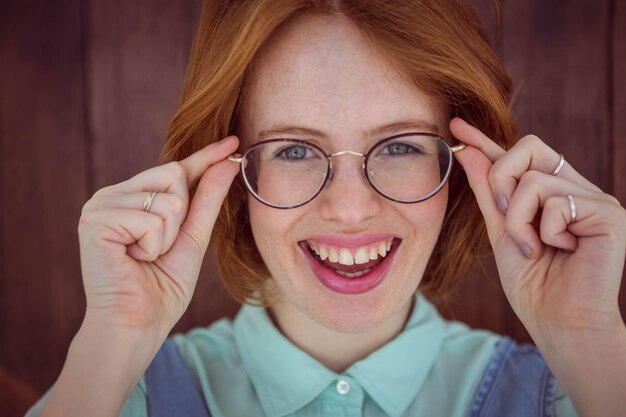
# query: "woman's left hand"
{"points": [[559, 275]]}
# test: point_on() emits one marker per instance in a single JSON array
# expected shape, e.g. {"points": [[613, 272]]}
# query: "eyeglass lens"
{"points": [[287, 173]]}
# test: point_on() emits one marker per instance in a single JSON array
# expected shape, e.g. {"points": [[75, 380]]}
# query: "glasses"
{"points": [[287, 173]]}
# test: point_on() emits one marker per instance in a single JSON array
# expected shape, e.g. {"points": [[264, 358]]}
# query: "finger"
{"points": [[476, 166], [166, 178], [473, 137], [529, 153], [170, 207], [176, 176], [138, 234], [195, 232], [555, 217], [532, 192], [197, 163], [593, 217]]}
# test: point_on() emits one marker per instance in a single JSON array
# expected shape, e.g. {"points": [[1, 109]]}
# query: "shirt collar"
{"points": [[286, 379], [393, 375]]}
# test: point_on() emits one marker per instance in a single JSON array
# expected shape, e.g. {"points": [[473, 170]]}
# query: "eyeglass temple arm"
{"points": [[457, 148]]}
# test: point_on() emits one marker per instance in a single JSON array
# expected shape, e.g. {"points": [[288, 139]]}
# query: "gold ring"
{"points": [[148, 201]]}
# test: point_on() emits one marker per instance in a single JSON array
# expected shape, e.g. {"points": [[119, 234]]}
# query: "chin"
{"points": [[355, 314]]}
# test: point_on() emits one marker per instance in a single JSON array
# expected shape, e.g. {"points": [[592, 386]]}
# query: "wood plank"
{"points": [[619, 114], [135, 65], [43, 178], [557, 53]]}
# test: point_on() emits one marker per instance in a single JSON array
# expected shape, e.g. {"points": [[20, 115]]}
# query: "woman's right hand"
{"points": [[140, 268]]}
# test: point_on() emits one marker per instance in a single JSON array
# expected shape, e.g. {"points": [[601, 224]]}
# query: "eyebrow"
{"points": [[414, 125]]}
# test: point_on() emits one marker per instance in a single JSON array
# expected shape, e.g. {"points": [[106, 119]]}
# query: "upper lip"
{"points": [[345, 241]]}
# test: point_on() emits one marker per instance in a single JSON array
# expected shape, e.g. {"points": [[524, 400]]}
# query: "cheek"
{"points": [[271, 229], [427, 221], [431, 213]]}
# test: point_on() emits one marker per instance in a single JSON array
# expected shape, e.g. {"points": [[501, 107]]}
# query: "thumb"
{"points": [[477, 166], [195, 232]]}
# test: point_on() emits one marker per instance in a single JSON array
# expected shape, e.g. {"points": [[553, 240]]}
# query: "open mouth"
{"points": [[351, 270]]}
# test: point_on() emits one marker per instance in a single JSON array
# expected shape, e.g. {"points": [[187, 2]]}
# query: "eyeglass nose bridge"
{"points": [[330, 157]]}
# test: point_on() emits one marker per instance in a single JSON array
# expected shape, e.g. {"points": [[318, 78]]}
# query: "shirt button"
{"points": [[343, 387]]}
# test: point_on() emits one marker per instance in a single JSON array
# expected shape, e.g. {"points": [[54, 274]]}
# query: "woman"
{"points": [[344, 119]]}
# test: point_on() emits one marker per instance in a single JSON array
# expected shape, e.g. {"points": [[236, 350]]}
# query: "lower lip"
{"points": [[345, 285]]}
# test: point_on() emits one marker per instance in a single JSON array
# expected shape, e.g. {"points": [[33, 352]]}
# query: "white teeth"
{"points": [[345, 257], [361, 257], [332, 255], [382, 249]]}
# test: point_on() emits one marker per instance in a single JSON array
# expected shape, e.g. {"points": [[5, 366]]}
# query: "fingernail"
{"points": [[526, 250], [502, 202]]}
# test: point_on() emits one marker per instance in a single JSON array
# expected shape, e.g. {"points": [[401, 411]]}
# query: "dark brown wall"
{"points": [[87, 88]]}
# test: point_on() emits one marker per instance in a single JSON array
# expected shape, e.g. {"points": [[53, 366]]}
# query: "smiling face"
{"points": [[319, 80]]}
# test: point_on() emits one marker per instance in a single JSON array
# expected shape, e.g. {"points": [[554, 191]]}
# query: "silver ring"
{"points": [[572, 208], [560, 165], [148, 201]]}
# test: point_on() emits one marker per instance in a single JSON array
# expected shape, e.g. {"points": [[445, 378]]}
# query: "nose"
{"points": [[348, 198]]}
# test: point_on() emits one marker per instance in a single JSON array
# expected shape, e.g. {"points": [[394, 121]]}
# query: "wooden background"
{"points": [[87, 88]]}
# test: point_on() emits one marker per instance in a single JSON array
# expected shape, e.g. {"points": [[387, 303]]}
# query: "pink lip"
{"points": [[350, 286], [350, 241]]}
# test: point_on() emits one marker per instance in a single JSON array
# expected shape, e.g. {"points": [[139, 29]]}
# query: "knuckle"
{"points": [[86, 207], [510, 225], [109, 189], [194, 236], [495, 172], [155, 223], [612, 200], [178, 170], [529, 178], [177, 204], [552, 203], [83, 222], [530, 141]]}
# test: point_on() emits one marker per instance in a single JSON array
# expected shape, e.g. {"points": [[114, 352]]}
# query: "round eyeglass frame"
{"points": [[329, 170]]}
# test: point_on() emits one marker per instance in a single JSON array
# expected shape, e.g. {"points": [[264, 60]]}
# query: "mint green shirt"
{"points": [[246, 368]]}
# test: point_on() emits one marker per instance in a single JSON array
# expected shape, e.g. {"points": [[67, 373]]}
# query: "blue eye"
{"points": [[399, 148], [294, 152]]}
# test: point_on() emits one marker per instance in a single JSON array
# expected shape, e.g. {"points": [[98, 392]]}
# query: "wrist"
{"points": [[586, 331], [576, 358], [103, 365]]}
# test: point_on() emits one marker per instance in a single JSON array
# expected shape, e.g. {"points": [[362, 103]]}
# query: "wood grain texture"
{"points": [[42, 170], [618, 113], [557, 53], [135, 60]]}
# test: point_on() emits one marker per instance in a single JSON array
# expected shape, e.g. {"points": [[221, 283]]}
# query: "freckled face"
{"points": [[319, 74]]}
